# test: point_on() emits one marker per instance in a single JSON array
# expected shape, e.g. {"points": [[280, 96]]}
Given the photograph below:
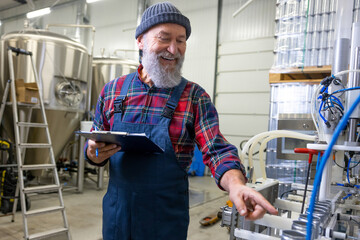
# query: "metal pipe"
{"points": [[354, 81], [81, 10], [81, 167], [340, 63], [352, 131], [219, 8], [341, 51], [140, 10]]}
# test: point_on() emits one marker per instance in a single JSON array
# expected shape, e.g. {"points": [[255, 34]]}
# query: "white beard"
{"points": [[162, 77]]}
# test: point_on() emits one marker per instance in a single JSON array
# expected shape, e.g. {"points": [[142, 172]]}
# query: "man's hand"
{"points": [[248, 202], [104, 151]]}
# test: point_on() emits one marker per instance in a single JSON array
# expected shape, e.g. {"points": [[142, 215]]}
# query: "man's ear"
{"points": [[140, 42]]}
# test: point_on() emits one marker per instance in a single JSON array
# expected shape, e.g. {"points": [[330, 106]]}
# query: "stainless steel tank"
{"points": [[63, 66], [107, 69]]}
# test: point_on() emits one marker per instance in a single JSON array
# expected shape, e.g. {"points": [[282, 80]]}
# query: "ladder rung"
{"points": [[49, 233], [29, 124], [37, 166], [35, 145], [25, 105], [44, 188], [44, 210]]}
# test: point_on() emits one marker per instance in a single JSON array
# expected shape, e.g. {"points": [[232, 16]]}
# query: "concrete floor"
{"points": [[85, 215]]}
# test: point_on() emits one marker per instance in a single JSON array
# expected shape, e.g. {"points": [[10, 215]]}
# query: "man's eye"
{"points": [[164, 39]]}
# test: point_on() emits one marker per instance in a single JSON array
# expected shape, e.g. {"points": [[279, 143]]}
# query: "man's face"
{"points": [[163, 53], [167, 38]]}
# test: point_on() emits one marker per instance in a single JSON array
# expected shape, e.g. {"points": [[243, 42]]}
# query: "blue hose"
{"points": [[346, 89], [347, 196], [324, 159], [323, 118], [318, 161]]}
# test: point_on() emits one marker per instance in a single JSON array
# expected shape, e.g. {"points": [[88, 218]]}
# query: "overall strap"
{"points": [[173, 101], [118, 103]]}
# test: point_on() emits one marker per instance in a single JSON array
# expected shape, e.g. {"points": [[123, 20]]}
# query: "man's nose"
{"points": [[173, 48]]}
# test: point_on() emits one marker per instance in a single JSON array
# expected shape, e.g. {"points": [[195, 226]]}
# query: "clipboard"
{"points": [[129, 142]]}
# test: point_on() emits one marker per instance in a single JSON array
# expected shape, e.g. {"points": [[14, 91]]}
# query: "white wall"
{"points": [[244, 60], [115, 23]]}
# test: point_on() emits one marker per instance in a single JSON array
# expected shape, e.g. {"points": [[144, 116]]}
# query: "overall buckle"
{"points": [[168, 110], [119, 106]]}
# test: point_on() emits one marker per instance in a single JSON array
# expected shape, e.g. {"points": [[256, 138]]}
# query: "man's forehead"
{"points": [[169, 29]]}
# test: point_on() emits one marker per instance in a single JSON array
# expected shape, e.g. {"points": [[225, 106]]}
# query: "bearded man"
{"points": [[148, 195]]}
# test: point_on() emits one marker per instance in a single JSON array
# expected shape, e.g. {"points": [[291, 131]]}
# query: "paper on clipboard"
{"points": [[129, 142]]}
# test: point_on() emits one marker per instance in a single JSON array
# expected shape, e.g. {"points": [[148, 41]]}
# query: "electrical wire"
{"points": [[338, 130], [344, 167], [306, 185], [292, 190], [347, 171], [337, 100]]}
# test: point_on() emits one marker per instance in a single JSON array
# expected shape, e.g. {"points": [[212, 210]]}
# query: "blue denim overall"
{"points": [[147, 197]]}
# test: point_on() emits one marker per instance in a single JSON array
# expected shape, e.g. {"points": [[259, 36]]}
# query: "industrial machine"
{"points": [[329, 208], [63, 66]]}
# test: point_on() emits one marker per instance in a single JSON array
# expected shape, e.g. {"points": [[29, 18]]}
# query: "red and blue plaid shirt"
{"points": [[195, 120]]}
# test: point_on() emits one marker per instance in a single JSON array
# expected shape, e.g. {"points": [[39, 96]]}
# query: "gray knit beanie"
{"points": [[164, 12]]}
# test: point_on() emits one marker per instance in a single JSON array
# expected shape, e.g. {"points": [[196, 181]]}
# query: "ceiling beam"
{"points": [[21, 1]]}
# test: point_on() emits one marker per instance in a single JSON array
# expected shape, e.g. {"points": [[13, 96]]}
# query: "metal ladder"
{"points": [[20, 148]]}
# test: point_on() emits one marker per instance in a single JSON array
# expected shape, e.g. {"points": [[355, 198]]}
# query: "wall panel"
{"points": [[246, 61], [243, 103], [242, 125], [246, 81], [247, 46]]}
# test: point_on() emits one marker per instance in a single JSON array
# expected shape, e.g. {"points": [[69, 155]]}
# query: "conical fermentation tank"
{"points": [[107, 69], [63, 67]]}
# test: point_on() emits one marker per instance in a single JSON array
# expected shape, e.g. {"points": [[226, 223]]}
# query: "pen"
{"points": [[96, 151]]}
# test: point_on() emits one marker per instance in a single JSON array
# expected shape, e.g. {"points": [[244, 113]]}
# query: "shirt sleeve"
{"points": [[218, 154], [100, 122]]}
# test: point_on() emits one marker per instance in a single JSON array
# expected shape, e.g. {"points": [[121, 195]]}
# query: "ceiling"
{"points": [[6, 4]]}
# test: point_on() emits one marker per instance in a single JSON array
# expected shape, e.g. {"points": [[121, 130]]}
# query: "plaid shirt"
{"points": [[195, 120]]}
